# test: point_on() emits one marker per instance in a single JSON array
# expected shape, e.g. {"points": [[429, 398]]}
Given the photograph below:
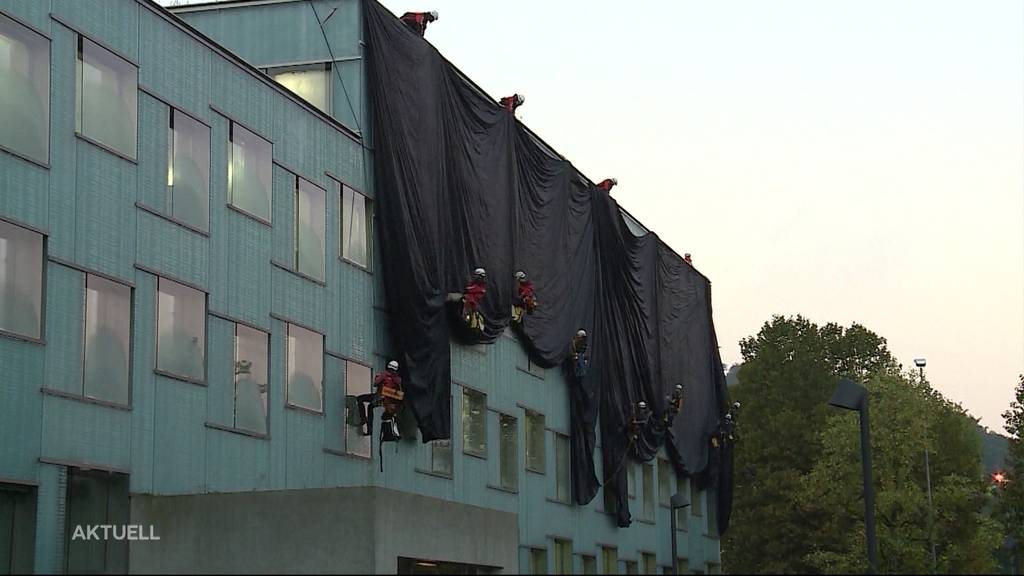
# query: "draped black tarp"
{"points": [[461, 184]]}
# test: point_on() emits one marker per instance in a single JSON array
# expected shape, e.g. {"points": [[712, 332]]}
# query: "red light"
{"points": [[999, 478]]}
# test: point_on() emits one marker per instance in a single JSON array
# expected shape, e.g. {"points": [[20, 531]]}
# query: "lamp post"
{"points": [[678, 500], [921, 363], [852, 396]]}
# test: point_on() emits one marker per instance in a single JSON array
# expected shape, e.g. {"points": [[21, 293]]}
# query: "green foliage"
{"points": [[1010, 507], [798, 504]]}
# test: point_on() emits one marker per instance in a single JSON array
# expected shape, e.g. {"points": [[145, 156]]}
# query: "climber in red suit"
{"points": [[417, 21], [472, 296], [607, 184], [512, 102], [526, 301]]}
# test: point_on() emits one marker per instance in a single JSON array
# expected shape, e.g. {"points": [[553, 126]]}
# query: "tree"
{"points": [[1010, 506], [789, 372]]}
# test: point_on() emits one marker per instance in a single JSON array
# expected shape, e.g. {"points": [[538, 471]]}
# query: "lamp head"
{"points": [[920, 362]]}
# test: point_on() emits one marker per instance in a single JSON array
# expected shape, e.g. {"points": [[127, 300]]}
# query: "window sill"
{"points": [[85, 399], [171, 219], [22, 338], [355, 264], [44, 165], [106, 148], [291, 270], [344, 454], [475, 455], [505, 490], [537, 472], [435, 474], [557, 501], [646, 521], [303, 409], [249, 215], [525, 371], [233, 430], [179, 377]]}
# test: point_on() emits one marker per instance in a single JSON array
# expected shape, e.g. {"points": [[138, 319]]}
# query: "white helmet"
{"points": [[679, 387], [520, 275], [521, 98], [581, 333], [641, 405], [393, 366], [615, 181], [434, 14], [479, 272]]}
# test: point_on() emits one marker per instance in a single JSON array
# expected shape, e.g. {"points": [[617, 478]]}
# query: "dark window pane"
{"points": [[509, 470], [563, 481], [589, 565], [312, 83], [96, 500], [356, 219], [188, 174], [107, 103], [251, 360], [648, 479], [24, 90], [535, 441], [664, 483], [108, 320], [474, 422], [538, 561], [249, 172], [358, 381], [21, 280], [441, 456]]}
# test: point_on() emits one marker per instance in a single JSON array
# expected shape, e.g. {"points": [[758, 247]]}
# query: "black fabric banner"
{"points": [[461, 184]]}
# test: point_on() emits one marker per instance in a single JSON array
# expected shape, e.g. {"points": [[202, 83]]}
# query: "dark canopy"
{"points": [[462, 184]]}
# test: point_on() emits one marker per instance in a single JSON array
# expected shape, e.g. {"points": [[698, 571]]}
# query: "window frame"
{"points": [[534, 552], [467, 446], [605, 568], [630, 478], [43, 260], [206, 334], [265, 394], [441, 447], [268, 220], [513, 468], [565, 440], [350, 429], [296, 228], [560, 544], [44, 162], [531, 424], [86, 276], [664, 483], [80, 131], [288, 369], [370, 219], [168, 207], [326, 66], [649, 503]]}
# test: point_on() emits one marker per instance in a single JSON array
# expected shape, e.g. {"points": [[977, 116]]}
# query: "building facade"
{"points": [[188, 293]]}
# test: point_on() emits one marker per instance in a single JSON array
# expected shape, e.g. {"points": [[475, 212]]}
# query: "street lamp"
{"points": [[678, 500], [852, 396], [921, 363]]}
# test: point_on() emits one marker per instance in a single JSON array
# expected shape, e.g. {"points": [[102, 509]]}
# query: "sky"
{"points": [[849, 161]]}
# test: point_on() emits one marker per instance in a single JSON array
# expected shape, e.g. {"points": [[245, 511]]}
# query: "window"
{"points": [[695, 504], [534, 441], [563, 557], [188, 170], [95, 499], [682, 520], [249, 173], [631, 567], [563, 478], [356, 226], [664, 483], [610, 559], [24, 91], [106, 106], [682, 566], [181, 322], [21, 280], [648, 480], [589, 564], [714, 568], [509, 471], [441, 457], [251, 367], [17, 529], [358, 381], [650, 563], [305, 368], [538, 561], [474, 422], [108, 324], [611, 505], [311, 82], [630, 479], [310, 219]]}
